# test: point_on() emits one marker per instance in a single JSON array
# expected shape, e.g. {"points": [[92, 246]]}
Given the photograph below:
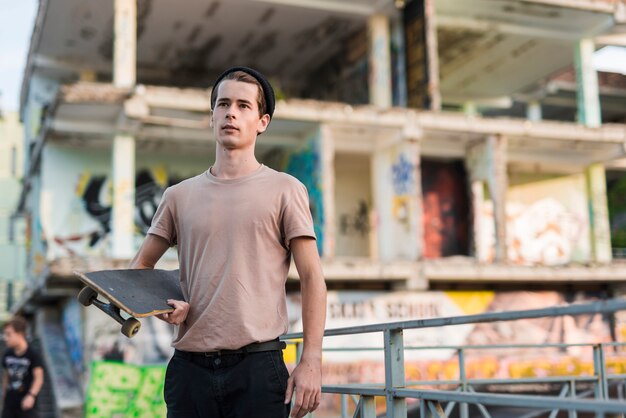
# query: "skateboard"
{"points": [[139, 293]]}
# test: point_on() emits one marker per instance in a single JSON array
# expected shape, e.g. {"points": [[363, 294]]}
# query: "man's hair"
{"points": [[246, 78], [18, 324]]}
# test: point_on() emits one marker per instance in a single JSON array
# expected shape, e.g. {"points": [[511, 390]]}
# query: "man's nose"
{"points": [[230, 112]]}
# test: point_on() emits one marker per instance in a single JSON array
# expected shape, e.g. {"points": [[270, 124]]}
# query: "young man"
{"points": [[236, 227], [23, 372]]}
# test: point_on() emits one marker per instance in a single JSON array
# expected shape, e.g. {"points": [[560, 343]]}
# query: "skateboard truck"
{"points": [[130, 326]]}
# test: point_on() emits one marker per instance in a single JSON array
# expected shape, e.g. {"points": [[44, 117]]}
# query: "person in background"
{"points": [[23, 372]]}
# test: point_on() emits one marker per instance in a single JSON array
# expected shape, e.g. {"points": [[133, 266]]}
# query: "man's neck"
{"points": [[21, 348], [230, 164]]}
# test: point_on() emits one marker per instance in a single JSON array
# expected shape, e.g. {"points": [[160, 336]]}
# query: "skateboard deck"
{"points": [[139, 293]]}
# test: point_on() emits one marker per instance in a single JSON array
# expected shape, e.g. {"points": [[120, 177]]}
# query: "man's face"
{"points": [[236, 121], [11, 338]]}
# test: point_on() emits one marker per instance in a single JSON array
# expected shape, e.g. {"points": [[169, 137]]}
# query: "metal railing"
{"points": [[395, 389]]}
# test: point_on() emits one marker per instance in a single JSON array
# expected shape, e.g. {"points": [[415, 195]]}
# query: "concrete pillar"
{"points": [[397, 199], [498, 185], [125, 43], [400, 91], [533, 111], [382, 194], [598, 214], [123, 220], [589, 115], [486, 162], [123, 164], [379, 61], [587, 81], [433, 54], [327, 151], [478, 197]]}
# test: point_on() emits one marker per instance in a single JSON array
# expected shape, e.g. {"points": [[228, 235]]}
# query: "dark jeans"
{"points": [[8, 412], [251, 385]]}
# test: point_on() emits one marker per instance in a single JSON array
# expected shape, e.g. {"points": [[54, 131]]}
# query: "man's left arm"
{"points": [[306, 378], [29, 400]]}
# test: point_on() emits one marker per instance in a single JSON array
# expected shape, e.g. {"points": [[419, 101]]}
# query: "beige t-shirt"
{"points": [[233, 246]]}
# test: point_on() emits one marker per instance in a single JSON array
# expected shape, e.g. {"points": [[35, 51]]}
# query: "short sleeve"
{"points": [[35, 360], [297, 219], [163, 224]]}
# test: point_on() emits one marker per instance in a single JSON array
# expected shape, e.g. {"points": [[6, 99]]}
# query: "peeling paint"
{"points": [[193, 35], [212, 9], [262, 46], [87, 33], [313, 36], [265, 17], [246, 39]]}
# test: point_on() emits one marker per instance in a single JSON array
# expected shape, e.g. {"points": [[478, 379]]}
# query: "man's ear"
{"points": [[263, 123], [210, 118]]}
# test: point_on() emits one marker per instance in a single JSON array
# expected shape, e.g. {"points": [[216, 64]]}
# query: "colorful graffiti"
{"points": [[546, 222], [305, 165], [403, 175], [367, 365], [95, 191], [119, 390], [89, 215], [446, 212], [72, 324], [403, 181], [544, 232]]}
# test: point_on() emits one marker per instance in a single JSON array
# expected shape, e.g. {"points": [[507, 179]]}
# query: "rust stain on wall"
{"points": [[445, 209]]}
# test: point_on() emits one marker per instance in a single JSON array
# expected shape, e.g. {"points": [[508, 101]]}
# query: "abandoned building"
{"points": [[460, 157]]}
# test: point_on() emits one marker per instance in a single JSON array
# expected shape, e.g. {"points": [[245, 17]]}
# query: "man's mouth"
{"points": [[229, 127]]}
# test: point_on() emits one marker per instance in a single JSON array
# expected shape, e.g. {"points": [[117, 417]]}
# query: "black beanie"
{"points": [[268, 91]]}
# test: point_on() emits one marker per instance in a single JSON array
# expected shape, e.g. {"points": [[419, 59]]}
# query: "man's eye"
{"points": [[222, 104], [243, 105]]}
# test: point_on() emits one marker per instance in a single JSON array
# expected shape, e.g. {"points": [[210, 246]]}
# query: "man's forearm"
{"points": [[35, 387], [313, 315]]}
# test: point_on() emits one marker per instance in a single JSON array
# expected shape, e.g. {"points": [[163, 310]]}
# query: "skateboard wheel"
{"points": [[130, 327], [87, 296]]}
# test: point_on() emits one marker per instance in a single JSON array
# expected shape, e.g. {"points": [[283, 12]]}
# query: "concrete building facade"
{"points": [[450, 170]]}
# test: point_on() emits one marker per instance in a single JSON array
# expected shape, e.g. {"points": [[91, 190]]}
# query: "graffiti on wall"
{"points": [[71, 318], [123, 390], [445, 204], [367, 366], [544, 232], [403, 181], [94, 200], [546, 222], [95, 191], [357, 222], [305, 165]]}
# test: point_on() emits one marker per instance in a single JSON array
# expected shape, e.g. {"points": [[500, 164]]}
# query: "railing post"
{"points": [[572, 394], [599, 365], [394, 372], [344, 405], [368, 409], [463, 407]]}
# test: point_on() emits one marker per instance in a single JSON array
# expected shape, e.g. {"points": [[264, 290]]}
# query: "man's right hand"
{"points": [[181, 309]]}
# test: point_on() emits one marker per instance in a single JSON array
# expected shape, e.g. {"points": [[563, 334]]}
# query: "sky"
{"points": [[16, 25]]}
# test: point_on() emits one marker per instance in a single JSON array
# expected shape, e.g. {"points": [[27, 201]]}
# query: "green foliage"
{"points": [[119, 390]]}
